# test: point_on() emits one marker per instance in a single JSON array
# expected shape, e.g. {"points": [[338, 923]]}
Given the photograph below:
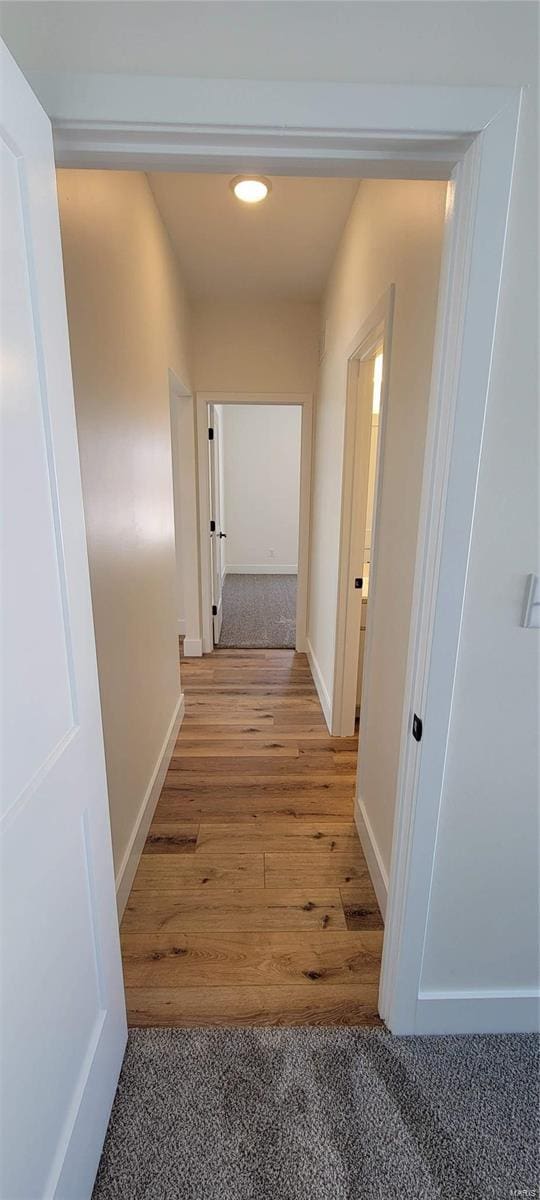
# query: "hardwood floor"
{"points": [[252, 903]]}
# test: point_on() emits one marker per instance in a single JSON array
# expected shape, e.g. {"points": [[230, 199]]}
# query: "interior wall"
{"points": [[255, 346], [261, 481], [128, 323], [393, 235]]}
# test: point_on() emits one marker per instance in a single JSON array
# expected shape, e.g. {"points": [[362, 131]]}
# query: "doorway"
{"points": [[254, 572], [254, 469], [367, 401], [464, 335]]}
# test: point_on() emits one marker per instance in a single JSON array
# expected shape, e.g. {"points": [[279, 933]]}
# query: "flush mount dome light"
{"points": [[250, 188]]}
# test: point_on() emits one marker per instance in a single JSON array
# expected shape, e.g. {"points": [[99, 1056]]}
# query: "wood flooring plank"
{"points": [[232, 785], [172, 872], [176, 838], [222, 1006], [305, 870], [252, 807], [287, 765], [360, 906], [278, 837], [250, 909], [245, 959], [269, 749]]}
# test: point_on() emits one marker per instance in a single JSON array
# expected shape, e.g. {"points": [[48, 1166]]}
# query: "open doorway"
{"points": [[372, 368], [254, 458], [254, 474], [367, 370]]}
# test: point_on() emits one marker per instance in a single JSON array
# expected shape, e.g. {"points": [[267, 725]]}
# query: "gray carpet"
{"points": [[259, 612], [322, 1114]]}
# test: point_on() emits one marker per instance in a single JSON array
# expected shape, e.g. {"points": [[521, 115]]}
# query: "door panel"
{"points": [[63, 1014]]}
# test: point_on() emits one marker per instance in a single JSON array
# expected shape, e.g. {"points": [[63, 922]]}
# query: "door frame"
{"points": [[215, 467], [464, 134], [376, 328], [303, 400], [186, 524]]}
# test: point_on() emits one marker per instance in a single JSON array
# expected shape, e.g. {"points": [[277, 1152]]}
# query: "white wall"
{"points": [[261, 482], [128, 323], [393, 235]]}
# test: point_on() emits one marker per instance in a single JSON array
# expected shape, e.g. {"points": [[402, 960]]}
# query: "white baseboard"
{"points": [[181, 625], [478, 1011], [128, 866], [263, 569], [318, 680], [192, 648], [376, 867]]}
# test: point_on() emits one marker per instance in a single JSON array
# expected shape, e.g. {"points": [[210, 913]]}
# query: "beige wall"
{"points": [[243, 346], [128, 323], [393, 235]]}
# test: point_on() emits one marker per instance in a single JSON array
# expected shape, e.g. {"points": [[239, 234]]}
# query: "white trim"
{"points": [[376, 867], [468, 302], [186, 530], [132, 121], [320, 685], [305, 401], [376, 328], [508, 1010], [130, 861], [192, 648], [262, 568]]}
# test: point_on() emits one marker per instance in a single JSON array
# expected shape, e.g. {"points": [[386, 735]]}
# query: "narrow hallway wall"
{"points": [[128, 323], [393, 235]]}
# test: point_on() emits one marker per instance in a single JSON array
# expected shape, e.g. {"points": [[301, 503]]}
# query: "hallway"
{"points": [[252, 903]]}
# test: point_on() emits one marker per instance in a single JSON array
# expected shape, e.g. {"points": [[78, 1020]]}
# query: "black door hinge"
{"points": [[358, 583], [214, 610], [210, 435], [212, 526], [417, 728]]}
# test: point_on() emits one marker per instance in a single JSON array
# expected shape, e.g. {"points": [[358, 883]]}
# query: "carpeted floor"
{"points": [[259, 611], [322, 1114]]}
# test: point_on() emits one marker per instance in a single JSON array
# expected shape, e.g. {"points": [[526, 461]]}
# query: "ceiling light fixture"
{"points": [[250, 188]]}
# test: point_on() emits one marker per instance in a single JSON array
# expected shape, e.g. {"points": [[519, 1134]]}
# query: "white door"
{"points": [[63, 1027], [217, 534]]}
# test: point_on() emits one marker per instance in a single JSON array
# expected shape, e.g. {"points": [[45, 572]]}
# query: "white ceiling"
{"points": [[281, 248]]}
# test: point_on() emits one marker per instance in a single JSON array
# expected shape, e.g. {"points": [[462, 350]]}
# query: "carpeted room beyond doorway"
{"points": [[322, 1114], [259, 612]]}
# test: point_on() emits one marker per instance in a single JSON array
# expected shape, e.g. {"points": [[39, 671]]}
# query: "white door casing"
{"points": [[205, 403], [214, 443], [376, 330], [63, 1014]]}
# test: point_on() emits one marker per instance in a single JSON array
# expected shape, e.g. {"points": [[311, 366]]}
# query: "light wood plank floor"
{"points": [[252, 903]]}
